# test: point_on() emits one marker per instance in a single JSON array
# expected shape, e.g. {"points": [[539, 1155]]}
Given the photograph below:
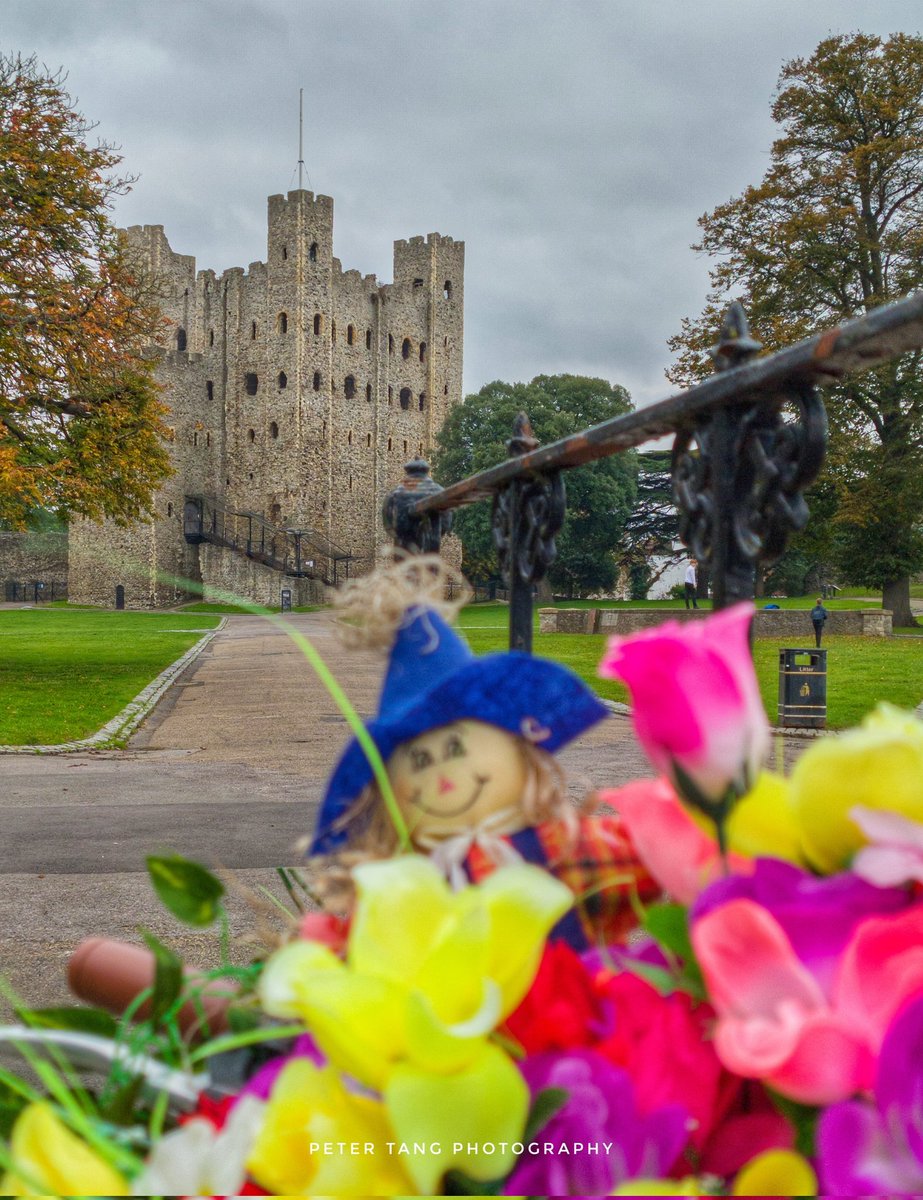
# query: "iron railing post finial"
{"points": [[415, 534]]}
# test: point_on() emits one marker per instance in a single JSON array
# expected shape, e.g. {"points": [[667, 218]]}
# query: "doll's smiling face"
{"points": [[452, 778]]}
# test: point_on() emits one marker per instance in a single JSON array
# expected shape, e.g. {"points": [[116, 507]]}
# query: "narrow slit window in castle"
{"points": [[405, 397], [211, 337], [181, 338], [283, 323], [317, 324], [368, 391], [333, 331], [445, 390], [252, 435], [169, 510], [350, 335], [447, 290], [422, 351], [368, 439], [273, 429], [349, 387], [317, 381], [350, 483], [405, 348], [283, 380], [390, 395], [418, 282], [390, 344], [312, 253], [251, 382], [195, 439], [389, 443], [285, 251], [209, 389], [208, 439], [253, 330], [349, 438], [405, 445], [368, 339], [422, 401]]}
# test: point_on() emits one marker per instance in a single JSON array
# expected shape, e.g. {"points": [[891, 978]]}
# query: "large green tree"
{"points": [[834, 229], [599, 496], [80, 420]]}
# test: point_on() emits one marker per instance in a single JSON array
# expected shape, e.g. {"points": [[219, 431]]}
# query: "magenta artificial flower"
{"points": [[877, 1149], [600, 1111], [695, 701], [818, 916], [813, 1037]]}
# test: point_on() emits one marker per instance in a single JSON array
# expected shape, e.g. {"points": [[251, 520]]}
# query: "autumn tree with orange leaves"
{"points": [[81, 427]]}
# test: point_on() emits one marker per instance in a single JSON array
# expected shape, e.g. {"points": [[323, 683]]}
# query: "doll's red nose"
{"points": [[445, 785]]}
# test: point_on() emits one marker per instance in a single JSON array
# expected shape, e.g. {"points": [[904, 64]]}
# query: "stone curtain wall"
{"points": [[297, 391], [27, 558], [788, 623]]}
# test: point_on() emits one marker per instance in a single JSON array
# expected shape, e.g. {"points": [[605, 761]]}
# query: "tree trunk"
{"points": [[759, 582], [544, 592], [895, 595]]}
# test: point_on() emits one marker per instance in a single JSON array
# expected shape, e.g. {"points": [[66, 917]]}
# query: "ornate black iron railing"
{"points": [[748, 441]]}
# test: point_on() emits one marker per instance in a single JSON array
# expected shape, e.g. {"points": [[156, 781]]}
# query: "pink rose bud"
{"points": [[696, 705]]}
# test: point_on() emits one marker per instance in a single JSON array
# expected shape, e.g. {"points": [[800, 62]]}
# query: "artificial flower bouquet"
{"points": [[759, 1032]]}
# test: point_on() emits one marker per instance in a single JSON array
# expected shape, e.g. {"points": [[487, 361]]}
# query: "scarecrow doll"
{"points": [[468, 744]]}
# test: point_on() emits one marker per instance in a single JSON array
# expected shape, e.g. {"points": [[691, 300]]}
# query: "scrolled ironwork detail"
{"points": [[417, 534], [527, 516]]}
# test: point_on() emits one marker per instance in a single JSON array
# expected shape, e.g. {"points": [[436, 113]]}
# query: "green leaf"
{"points": [[658, 977], [803, 1117], [668, 925], [168, 977], [457, 1183], [11, 1105], [187, 889], [80, 1020], [546, 1103]]}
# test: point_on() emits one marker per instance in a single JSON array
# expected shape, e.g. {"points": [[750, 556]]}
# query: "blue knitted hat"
{"points": [[432, 680]]}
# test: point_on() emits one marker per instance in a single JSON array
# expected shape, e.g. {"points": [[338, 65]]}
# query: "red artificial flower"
{"points": [[561, 1010], [327, 928]]}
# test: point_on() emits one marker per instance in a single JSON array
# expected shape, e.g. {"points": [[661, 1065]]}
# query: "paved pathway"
{"points": [[228, 769]]}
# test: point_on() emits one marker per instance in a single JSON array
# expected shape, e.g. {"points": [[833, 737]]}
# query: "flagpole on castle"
{"points": [[300, 137]]}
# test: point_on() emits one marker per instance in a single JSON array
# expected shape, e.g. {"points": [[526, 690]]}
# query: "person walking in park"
{"points": [[818, 616], [691, 584]]}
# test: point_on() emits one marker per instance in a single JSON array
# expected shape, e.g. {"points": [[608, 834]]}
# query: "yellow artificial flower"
{"points": [[430, 973], [776, 1173], [763, 822], [50, 1160], [689, 1186], [318, 1139], [877, 766]]}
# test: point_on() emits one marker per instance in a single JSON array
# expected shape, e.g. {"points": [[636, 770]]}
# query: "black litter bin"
{"points": [[803, 688]]}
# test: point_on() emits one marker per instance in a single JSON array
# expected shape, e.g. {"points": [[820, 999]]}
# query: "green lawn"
{"points": [[209, 606], [65, 672], [860, 671]]}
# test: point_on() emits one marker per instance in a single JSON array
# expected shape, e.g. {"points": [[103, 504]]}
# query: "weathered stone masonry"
{"points": [[297, 391]]}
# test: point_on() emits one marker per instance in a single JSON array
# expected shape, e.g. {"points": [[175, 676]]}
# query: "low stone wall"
{"points": [[227, 574], [794, 624], [28, 558]]}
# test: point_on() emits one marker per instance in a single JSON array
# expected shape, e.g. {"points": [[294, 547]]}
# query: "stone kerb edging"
{"points": [[127, 721]]}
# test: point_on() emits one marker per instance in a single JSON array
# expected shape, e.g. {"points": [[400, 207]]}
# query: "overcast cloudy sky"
{"points": [[571, 144]]}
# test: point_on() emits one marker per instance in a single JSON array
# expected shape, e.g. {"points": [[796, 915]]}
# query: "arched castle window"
{"points": [[209, 389], [253, 330], [251, 383], [350, 335], [181, 338], [317, 381], [368, 339], [422, 401], [275, 512], [317, 324], [422, 351], [405, 397], [368, 391], [283, 323], [251, 434], [349, 386], [283, 380], [405, 348], [273, 429], [447, 290], [312, 253]]}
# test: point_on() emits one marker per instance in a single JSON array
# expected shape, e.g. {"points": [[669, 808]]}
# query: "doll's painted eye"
{"points": [[454, 747], [420, 759]]}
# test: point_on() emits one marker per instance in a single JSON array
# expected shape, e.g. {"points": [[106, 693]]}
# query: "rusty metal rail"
{"points": [[739, 466]]}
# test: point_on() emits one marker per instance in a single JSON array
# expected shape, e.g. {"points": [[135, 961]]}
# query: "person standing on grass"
{"points": [[691, 584], [818, 616]]}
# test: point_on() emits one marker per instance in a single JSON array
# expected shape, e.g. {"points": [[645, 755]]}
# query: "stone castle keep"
{"points": [[297, 392]]}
